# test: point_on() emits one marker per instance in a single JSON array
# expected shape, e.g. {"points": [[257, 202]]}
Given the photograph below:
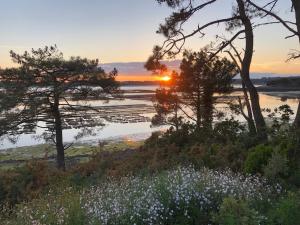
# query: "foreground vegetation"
{"points": [[180, 196], [177, 177]]}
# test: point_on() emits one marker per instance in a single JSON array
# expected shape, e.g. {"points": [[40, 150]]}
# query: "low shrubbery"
{"points": [[277, 167], [286, 211], [24, 183], [180, 196], [258, 157], [120, 187], [235, 211]]}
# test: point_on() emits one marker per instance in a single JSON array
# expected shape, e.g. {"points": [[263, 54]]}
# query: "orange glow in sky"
{"points": [[113, 43], [165, 78], [126, 77]]}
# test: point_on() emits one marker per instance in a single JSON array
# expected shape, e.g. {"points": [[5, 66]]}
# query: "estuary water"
{"points": [[128, 119]]}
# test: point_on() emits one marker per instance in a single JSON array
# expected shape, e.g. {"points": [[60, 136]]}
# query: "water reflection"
{"points": [[134, 130]]}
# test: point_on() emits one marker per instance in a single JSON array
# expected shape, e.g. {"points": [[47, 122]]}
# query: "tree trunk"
{"points": [[198, 112], [208, 108], [249, 118], [59, 137], [297, 118], [176, 116], [254, 97], [296, 4]]}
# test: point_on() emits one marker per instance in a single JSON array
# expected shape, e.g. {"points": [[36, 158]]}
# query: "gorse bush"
{"points": [[258, 158], [24, 183], [180, 196], [277, 167], [236, 212], [286, 211], [229, 130], [221, 156]]}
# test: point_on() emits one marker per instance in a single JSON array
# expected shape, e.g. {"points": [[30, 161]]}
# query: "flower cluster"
{"points": [[159, 199], [178, 196]]}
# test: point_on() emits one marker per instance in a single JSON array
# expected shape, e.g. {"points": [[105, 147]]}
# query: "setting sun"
{"points": [[165, 78]]}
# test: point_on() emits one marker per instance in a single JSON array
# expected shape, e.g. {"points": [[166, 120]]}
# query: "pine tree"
{"points": [[46, 88]]}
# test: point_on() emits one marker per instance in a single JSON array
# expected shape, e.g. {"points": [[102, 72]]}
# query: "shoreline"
{"points": [[79, 152]]}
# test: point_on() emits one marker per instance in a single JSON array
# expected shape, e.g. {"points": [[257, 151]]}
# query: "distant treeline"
{"points": [[292, 81], [286, 82], [139, 83]]}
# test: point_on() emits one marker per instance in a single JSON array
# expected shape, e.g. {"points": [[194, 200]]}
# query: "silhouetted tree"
{"points": [[172, 29], [167, 106], [200, 78], [293, 27], [192, 90], [249, 116], [12, 90], [46, 88]]}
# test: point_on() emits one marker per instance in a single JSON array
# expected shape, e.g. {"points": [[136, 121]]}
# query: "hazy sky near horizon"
{"points": [[123, 30]]}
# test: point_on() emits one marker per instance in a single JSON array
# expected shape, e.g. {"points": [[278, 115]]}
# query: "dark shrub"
{"points": [[286, 211], [258, 158], [236, 212], [228, 131]]}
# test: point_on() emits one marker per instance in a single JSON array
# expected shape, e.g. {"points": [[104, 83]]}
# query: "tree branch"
{"points": [[284, 23]]}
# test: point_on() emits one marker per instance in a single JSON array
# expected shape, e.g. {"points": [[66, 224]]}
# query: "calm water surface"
{"points": [[134, 131]]}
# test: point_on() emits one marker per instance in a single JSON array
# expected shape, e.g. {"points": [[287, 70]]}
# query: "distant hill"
{"points": [[137, 68], [290, 82], [269, 81], [269, 75]]}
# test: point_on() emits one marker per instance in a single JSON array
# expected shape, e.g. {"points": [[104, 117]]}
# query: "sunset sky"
{"points": [[123, 31]]}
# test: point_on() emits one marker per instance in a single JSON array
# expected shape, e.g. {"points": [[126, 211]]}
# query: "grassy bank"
{"points": [[16, 157]]}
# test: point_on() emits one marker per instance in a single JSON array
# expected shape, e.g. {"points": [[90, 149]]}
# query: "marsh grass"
{"points": [[17, 157]]}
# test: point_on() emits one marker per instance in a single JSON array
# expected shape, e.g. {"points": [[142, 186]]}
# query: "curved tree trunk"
{"points": [[249, 117], [297, 118], [296, 4], [254, 97]]}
